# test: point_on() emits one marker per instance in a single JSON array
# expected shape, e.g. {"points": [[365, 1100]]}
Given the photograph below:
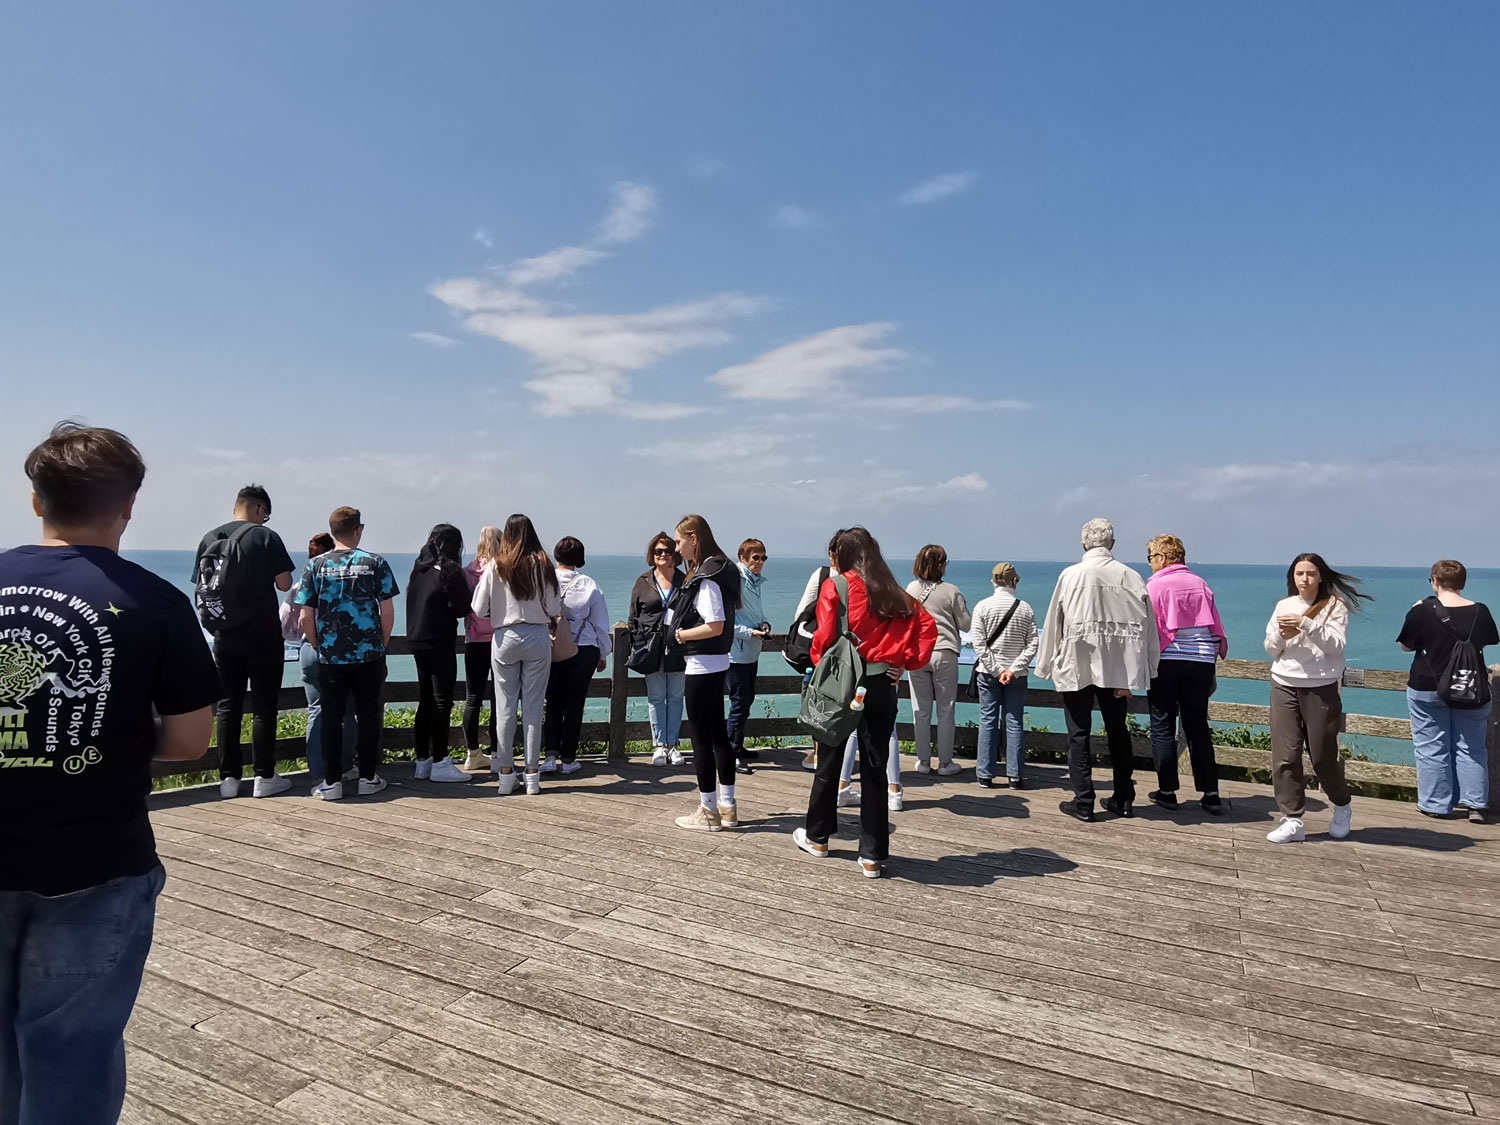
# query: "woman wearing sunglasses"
{"points": [[648, 611], [750, 629]]}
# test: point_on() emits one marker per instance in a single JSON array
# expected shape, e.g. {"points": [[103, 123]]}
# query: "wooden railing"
{"points": [[619, 686]]}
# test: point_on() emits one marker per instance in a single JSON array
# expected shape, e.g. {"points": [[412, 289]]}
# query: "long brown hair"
{"points": [[858, 551], [1331, 584], [703, 535], [521, 563]]}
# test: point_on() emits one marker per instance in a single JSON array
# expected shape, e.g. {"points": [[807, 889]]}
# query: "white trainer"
{"points": [[424, 769], [1343, 820], [676, 757], [569, 767], [334, 792], [448, 770], [659, 756], [229, 787], [548, 766], [369, 787], [848, 797], [950, 769], [893, 800], [1289, 831], [507, 783], [924, 765], [533, 784], [270, 786]]}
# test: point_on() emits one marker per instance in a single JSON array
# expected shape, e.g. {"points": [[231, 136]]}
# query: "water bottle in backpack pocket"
{"points": [[827, 712]]}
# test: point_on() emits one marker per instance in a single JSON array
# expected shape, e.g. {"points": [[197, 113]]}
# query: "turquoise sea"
{"points": [[1245, 596]]}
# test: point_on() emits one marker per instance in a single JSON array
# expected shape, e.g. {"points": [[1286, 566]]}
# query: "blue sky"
{"points": [[965, 273]]}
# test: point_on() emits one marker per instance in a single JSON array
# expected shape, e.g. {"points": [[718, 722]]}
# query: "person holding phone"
{"points": [[750, 629]]}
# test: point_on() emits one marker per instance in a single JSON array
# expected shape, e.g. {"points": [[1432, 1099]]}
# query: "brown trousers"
{"points": [[1311, 717]]}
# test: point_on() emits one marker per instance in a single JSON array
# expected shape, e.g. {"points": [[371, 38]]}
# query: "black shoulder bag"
{"points": [[972, 691]]}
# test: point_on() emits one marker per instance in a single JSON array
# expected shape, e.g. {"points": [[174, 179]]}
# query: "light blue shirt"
{"points": [[746, 648]]}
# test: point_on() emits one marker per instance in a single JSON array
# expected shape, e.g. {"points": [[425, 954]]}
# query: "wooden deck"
{"points": [[439, 954]]}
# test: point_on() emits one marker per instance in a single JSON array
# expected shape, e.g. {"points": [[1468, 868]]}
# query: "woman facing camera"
{"points": [[1305, 639], [1449, 697], [750, 629], [648, 611]]}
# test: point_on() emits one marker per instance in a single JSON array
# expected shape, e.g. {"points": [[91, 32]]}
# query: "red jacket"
{"points": [[901, 642]]}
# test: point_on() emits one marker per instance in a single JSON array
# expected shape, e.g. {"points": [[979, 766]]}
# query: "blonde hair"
{"points": [[1169, 547], [489, 543]]}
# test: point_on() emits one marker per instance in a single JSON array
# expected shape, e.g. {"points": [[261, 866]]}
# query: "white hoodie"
{"points": [[1315, 656]]}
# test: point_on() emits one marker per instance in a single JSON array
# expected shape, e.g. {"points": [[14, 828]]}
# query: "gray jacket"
{"points": [[1100, 629]]}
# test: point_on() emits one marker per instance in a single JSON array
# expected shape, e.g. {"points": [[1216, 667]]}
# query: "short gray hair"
{"points": [[1098, 533]]}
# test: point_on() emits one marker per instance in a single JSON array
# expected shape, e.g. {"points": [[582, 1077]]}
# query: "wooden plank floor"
{"points": [[440, 954]]}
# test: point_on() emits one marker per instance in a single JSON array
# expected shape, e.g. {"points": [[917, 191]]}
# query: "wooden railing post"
{"points": [[619, 699]]}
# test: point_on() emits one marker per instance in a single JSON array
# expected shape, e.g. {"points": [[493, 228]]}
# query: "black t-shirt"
{"points": [[266, 555], [90, 646], [1432, 641]]}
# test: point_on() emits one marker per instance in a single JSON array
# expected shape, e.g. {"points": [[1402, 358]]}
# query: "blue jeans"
{"points": [[664, 699], [996, 698], [1449, 746], [307, 659], [73, 966], [741, 682]]}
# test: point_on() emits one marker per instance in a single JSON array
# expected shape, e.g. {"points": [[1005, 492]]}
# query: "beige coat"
{"points": [[1100, 629]]}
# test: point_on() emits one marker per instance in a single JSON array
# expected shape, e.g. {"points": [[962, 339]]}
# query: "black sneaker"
{"points": [[1118, 807], [750, 755], [986, 783], [1167, 801], [1084, 813], [1434, 815], [1015, 783], [742, 766], [1212, 805], [1479, 816]]}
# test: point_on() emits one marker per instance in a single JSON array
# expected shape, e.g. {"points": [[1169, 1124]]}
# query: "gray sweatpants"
{"points": [[522, 657], [934, 687]]}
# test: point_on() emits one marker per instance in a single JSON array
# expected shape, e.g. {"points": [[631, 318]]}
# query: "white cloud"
{"points": [[934, 404], [738, 446], [941, 187], [468, 294], [229, 456], [966, 485], [629, 214], [562, 262], [790, 217], [435, 339], [811, 367], [705, 167], [482, 237]]}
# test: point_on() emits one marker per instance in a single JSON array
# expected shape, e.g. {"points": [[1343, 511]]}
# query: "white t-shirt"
{"points": [[709, 602]]}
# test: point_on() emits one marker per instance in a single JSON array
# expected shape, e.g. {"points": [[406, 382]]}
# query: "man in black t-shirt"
{"points": [[102, 667], [248, 645]]}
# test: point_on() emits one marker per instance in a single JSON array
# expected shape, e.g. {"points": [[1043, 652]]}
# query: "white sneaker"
{"points": [[1289, 831], [351, 774], [270, 786], [548, 766], [924, 765], [950, 769], [372, 786], [659, 756], [334, 792], [424, 769], [533, 784], [229, 787], [569, 767], [893, 800], [447, 770], [817, 851], [1343, 820], [507, 783], [848, 797], [676, 757]]}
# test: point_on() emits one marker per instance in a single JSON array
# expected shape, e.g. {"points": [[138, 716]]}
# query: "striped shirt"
{"points": [[1015, 647], [1196, 642]]}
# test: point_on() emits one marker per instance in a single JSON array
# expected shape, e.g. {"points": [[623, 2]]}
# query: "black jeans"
{"points": [[703, 701], [1078, 709], [1181, 690], [437, 671], [875, 727], [364, 682], [258, 662], [741, 680], [567, 691], [479, 685]]}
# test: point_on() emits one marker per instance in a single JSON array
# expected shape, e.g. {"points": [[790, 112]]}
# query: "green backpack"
{"points": [[825, 713]]}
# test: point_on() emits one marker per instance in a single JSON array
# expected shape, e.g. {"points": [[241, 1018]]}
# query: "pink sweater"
{"points": [[477, 630], [1182, 600]]}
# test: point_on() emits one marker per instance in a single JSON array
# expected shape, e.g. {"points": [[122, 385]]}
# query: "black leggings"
{"points": [[437, 670], [703, 700], [478, 687]]}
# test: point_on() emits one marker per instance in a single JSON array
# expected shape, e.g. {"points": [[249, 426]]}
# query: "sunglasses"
{"points": [[757, 558], [663, 551]]}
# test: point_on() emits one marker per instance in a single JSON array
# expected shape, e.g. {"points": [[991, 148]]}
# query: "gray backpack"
{"points": [[826, 714]]}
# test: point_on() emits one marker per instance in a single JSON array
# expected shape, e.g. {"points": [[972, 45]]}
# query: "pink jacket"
{"points": [[477, 630], [1182, 600]]}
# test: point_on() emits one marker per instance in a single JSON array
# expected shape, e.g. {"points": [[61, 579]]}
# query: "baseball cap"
{"points": [[1004, 572]]}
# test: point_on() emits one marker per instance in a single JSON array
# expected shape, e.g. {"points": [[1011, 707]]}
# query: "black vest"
{"points": [[684, 606]]}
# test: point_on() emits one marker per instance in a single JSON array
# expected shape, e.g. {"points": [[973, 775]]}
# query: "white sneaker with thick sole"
{"points": [[893, 800], [548, 766], [447, 770], [817, 851], [1289, 831], [370, 786], [924, 765], [424, 769], [676, 757], [869, 868], [1343, 820], [229, 787], [659, 756], [507, 783], [270, 786], [475, 762], [533, 784], [848, 797], [950, 769], [569, 767], [334, 792], [810, 761]]}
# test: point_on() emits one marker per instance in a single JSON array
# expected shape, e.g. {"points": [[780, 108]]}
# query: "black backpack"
{"points": [[1465, 682], [223, 586], [799, 638]]}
